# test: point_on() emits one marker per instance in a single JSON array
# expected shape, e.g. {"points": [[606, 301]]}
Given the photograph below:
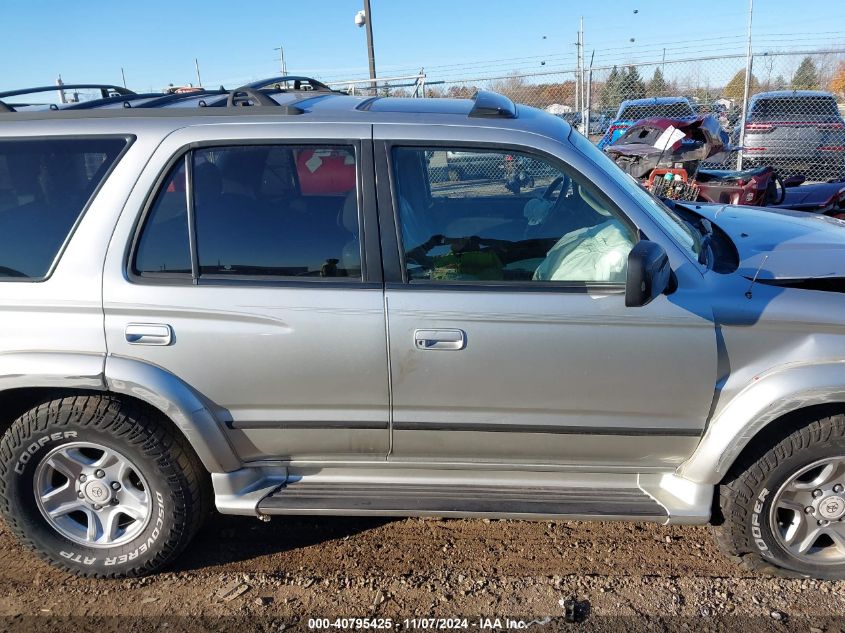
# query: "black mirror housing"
{"points": [[649, 274]]}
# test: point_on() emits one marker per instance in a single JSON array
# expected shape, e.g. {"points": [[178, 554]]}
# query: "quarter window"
{"points": [[504, 217], [44, 186], [260, 211]]}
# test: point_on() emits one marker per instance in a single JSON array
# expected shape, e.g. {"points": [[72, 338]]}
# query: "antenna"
{"points": [[748, 292]]}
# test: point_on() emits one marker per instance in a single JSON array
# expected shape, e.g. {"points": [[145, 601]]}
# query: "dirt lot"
{"points": [[241, 575]]}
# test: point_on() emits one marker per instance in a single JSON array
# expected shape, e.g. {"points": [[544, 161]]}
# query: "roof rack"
{"points": [[106, 90], [126, 99], [487, 104], [299, 82], [252, 97]]}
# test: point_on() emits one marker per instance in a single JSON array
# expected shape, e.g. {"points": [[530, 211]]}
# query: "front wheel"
{"points": [[100, 487], [783, 509]]}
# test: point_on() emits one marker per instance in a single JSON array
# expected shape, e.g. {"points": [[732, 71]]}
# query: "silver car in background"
{"points": [[796, 132]]}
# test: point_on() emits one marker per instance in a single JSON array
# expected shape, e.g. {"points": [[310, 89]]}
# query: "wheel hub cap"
{"points": [[831, 508], [96, 492]]}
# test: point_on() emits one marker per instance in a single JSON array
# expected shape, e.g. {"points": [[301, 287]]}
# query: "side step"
{"points": [[388, 490], [403, 499]]}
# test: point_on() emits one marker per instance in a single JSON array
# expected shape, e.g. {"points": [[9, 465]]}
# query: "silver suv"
{"points": [[276, 303]]}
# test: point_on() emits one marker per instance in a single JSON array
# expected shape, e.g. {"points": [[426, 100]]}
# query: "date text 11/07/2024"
{"points": [[483, 623]]}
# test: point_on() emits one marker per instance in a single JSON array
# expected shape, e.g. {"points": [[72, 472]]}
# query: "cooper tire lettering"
{"points": [[756, 532], [37, 445]]}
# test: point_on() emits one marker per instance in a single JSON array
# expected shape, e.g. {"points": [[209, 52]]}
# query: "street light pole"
{"points": [[363, 18], [370, 52]]}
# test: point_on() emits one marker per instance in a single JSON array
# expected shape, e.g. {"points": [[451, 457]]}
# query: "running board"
{"points": [[389, 491], [460, 501]]}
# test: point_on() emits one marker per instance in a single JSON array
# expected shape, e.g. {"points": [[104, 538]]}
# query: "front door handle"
{"points": [[149, 334], [440, 339]]}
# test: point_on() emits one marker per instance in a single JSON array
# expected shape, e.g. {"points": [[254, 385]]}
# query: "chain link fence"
{"points": [[785, 125]]}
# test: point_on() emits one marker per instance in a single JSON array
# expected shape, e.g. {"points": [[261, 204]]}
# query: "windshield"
{"points": [[668, 220]]}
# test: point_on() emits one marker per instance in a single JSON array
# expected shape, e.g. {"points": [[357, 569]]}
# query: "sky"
{"points": [[155, 42]]}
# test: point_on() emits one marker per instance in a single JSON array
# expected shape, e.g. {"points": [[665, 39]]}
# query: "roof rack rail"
{"points": [[126, 99], [487, 104], [246, 96], [106, 90], [299, 82], [173, 97]]}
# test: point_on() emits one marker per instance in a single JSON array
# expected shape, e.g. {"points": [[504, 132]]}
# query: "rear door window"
{"points": [[45, 184], [268, 211]]}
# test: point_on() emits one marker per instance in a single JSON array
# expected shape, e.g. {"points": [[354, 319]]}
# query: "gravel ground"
{"points": [[241, 574]]}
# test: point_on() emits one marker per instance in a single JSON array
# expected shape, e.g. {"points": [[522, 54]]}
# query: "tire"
{"points": [[150, 481], [759, 522]]}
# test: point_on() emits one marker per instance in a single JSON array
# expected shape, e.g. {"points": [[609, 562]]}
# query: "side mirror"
{"points": [[649, 274]]}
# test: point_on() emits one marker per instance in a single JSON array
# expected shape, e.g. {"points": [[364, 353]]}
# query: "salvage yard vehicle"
{"points": [[796, 131], [262, 299], [633, 110], [676, 149]]}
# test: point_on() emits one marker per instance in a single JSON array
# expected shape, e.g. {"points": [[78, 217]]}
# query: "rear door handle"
{"points": [[440, 339], [149, 334]]}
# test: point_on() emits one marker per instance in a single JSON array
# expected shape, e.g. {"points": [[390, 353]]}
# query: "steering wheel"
{"points": [[550, 190]]}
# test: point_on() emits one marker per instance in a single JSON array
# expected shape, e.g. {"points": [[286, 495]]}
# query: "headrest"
{"points": [[349, 212]]}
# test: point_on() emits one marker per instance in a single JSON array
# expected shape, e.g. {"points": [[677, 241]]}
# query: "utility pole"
{"points": [[197, 66], [583, 103], [747, 87], [283, 67], [60, 83], [578, 71]]}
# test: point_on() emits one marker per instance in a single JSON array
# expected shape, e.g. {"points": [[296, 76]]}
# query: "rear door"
{"points": [[242, 266], [509, 338]]}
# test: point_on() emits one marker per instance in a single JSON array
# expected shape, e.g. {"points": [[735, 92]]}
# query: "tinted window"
{"points": [[794, 107], [508, 217], [163, 246], [258, 211], [277, 211], [44, 186]]}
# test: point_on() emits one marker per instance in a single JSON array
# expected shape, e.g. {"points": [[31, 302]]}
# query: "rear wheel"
{"points": [[100, 487], [783, 508]]}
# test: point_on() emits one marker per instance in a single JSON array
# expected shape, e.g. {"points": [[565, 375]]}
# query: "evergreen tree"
{"points": [[633, 86], [807, 76], [657, 87], [610, 94]]}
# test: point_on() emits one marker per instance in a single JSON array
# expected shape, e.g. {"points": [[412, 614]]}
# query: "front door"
{"points": [[248, 280], [510, 342]]}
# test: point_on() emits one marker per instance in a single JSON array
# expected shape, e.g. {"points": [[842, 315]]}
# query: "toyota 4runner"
{"points": [[272, 300]]}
